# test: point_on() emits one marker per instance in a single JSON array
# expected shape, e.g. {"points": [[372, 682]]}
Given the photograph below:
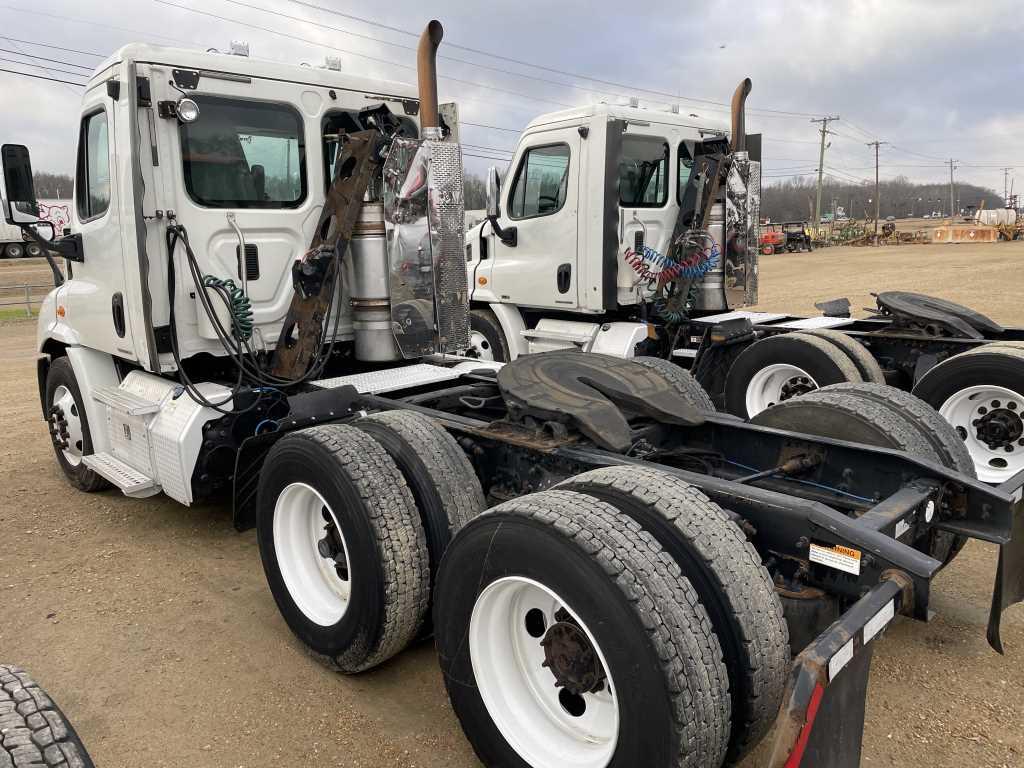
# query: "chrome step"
{"points": [[129, 480], [122, 400]]}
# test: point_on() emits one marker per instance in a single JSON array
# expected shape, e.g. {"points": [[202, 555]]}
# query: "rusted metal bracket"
{"points": [[313, 276]]}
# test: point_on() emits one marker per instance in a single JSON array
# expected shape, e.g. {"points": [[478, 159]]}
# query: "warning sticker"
{"points": [[839, 557], [902, 526]]}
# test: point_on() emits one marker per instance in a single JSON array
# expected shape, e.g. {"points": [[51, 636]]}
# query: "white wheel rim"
{"points": [[775, 383], [302, 518], [520, 693], [479, 343], [66, 409], [966, 408]]}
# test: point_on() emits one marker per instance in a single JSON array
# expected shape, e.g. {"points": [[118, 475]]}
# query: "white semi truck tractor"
{"points": [[630, 232], [266, 304]]}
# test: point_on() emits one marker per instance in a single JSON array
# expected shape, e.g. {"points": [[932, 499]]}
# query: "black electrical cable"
{"points": [[239, 350]]}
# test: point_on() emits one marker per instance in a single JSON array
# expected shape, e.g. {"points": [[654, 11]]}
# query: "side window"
{"points": [[244, 154], [93, 173], [541, 183], [643, 172]]}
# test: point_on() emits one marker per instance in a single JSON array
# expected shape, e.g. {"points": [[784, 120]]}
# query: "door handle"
{"points": [[564, 277]]}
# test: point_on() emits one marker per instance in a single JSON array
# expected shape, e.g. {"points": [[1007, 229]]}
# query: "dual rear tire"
{"points": [[620, 619], [353, 521]]}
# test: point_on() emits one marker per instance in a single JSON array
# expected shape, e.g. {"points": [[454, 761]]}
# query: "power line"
{"points": [[55, 47], [509, 59], [47, 58], [61, 17], [41, 77], [42, 67], [357, 53]]}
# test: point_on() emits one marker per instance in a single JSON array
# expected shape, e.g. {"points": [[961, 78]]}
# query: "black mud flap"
{"points": [[821, 723], [1009, 587]]}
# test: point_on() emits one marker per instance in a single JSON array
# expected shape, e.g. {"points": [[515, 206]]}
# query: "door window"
{"points": [[93, 182], [685, 168], [643, 172], [541, 183], [244, 154]]}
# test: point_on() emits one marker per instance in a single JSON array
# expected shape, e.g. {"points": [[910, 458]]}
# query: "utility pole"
{"points": [[821, 165], [878, 198], [952, 166]]}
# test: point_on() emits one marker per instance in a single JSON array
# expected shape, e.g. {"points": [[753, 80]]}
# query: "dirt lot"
{"points": [[152, 624]]}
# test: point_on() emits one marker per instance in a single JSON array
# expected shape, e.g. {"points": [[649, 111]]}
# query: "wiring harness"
{"points": [[251, 375]]}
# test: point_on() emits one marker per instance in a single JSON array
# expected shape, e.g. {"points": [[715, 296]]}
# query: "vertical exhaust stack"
{"points": [[426, 72], [424, 219], [739, 116]]}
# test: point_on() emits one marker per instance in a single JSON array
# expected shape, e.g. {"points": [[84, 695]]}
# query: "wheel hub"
{"points": [[799, 385], [999, 427], [58, 427], [331, 547], [571, 658]]}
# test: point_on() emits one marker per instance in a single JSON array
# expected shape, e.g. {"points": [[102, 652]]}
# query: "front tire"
{"points": [[342, 546], [68, 423], [486, 339], [634, 675]]}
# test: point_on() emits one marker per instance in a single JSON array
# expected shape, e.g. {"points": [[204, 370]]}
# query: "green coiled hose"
{"points": [[239, 306]]}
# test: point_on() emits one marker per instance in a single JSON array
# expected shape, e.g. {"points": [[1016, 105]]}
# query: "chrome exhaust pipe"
{"points": [[739, 116], [426, 72]]}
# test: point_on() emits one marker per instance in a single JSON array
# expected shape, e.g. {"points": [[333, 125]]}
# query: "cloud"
{"points": [[933, 77]]}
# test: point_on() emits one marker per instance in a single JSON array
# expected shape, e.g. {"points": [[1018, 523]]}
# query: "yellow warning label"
{"points": [[839, 557]]}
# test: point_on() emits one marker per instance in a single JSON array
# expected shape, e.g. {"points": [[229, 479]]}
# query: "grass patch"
{"points": [[16, 313]]}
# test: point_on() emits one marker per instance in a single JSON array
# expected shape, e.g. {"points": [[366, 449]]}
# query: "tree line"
{"points": [[793, 199]]}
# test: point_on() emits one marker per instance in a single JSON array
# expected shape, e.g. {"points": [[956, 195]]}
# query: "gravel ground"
{"points": [[152, 625]]}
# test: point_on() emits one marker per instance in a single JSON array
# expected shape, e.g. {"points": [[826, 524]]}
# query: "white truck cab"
{"points": [[591, 193], [238, 153]]}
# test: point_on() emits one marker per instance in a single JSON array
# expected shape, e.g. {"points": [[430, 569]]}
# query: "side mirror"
{"points": [[493, 188], [508, 235], [20, 206]]}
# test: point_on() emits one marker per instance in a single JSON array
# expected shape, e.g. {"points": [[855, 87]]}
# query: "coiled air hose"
{"points": [[239, 306]]}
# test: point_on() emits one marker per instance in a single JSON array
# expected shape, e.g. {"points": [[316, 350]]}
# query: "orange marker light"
{"points": [[60, 311], [482, 280]]}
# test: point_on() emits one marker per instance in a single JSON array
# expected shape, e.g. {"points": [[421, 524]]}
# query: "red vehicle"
{"points": [[772, 239]]}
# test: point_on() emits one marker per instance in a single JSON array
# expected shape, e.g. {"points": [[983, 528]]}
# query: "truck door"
{"points": [[647, 213], [95, 300], [541, 200], [246, 192]]}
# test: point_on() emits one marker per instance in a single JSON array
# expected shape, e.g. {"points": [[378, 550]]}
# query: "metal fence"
{"points": [[22, 296]]}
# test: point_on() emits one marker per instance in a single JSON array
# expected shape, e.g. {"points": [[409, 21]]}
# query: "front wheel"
{"points": [[486, 339], [69, 426], [568, 637]]}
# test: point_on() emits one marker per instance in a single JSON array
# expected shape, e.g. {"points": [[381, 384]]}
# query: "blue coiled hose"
{"points": [[239, 306]]}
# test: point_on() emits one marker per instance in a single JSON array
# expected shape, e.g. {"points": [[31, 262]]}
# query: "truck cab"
{"points": [[582, 224]]}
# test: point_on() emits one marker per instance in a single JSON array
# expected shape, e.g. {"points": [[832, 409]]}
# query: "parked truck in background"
{"points": [[266, 303], [14, 243], [615, 233]]}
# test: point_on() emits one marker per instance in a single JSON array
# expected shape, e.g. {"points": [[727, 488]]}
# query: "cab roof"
{"points": [[627, 112], [225, 63]]}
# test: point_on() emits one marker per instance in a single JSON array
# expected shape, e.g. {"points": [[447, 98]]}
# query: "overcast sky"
{"points": [[935, 78]]}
